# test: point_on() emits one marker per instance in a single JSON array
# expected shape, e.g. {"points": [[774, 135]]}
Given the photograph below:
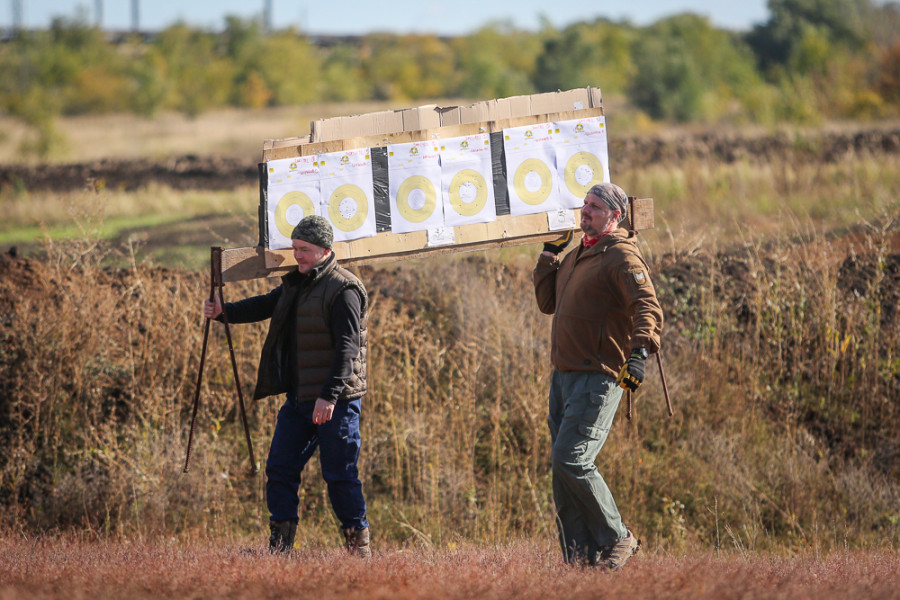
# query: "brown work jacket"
{"points": [[603, 304]]}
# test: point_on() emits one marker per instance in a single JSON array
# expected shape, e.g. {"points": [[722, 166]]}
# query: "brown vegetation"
{"points": [[782, 361], [71, 568]]}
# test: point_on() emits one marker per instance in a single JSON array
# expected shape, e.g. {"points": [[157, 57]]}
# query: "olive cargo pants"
{"points": [[582, 406]]}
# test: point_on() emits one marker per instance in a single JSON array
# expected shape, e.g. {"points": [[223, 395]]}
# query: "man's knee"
{"points": [[569, 462]]}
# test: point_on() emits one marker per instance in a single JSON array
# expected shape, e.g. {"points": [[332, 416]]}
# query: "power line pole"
{"points": [[98, 13], [267, 16], [17, 15], [303, 28], [135, 15]]}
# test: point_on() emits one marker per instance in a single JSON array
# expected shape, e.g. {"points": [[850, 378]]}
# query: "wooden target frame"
{"points": [[425, 123]]}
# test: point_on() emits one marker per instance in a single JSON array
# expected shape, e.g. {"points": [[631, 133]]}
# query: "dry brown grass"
{"points": [[780, 285], [69, 567], [775, 446]]}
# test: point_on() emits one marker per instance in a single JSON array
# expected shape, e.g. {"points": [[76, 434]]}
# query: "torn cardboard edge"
{"points": [[431, 116]]}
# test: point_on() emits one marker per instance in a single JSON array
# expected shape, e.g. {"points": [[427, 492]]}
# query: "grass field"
{"points": [[777, 477], [70, 568]]}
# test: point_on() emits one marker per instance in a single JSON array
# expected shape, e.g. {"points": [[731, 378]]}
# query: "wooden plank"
{"points": [[641, 216], [484, 235], [242, 264]]}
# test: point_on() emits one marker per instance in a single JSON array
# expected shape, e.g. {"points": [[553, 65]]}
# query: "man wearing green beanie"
{"points": [[315, 353]]}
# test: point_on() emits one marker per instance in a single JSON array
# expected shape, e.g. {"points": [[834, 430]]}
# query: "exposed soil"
{"points": [[219, 173], [182, 173], [716, 147]]}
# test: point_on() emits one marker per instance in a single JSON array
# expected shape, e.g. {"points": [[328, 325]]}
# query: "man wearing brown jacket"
{"points": [[604, 309]]}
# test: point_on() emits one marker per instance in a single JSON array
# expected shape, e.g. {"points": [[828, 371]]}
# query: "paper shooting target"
{"points": [[348, 207], [583, 171], [468, 192], [416, 199], [292, 207], [533, 181]]}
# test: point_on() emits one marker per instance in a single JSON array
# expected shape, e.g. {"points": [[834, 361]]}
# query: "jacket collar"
{"points": [[296, 277], [610, 239]]}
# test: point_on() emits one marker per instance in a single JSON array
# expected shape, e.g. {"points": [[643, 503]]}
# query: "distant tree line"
{"points": [[812, 59]]}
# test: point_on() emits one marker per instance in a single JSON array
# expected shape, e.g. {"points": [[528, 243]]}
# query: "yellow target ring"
{"points": [[349, 222], [416, 182], [533, 165], [576, 168], [288, 201], [468, 183]]}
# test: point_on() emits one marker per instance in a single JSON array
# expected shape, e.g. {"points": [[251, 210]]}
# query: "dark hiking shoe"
{"points": [[614, 557], [357, 542], [282, 536]]}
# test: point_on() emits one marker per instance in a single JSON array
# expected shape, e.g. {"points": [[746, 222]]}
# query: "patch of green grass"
{"points": [[105, 230], [189, 258]]}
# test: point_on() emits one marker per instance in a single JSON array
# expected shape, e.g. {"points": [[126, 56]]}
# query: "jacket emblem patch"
{"points": [[639, 277]]}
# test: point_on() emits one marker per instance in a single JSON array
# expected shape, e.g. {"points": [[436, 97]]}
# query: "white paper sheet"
{"points": [[347, 195], [293, 192], [582, 158], [531, 169], [414, 173], [467, 181]]}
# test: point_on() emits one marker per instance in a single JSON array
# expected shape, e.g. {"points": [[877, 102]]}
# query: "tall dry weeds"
{"points": [[782, 358]]}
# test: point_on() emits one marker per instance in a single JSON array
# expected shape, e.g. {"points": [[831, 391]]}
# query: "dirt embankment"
{"points": [[824, 146], [219, 173], [181, 173]]}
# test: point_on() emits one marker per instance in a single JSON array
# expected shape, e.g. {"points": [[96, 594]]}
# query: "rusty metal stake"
{"points": [[217, 284]]}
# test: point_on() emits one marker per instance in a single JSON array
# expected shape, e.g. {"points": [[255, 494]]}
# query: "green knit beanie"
{"points": [[315, 230]]}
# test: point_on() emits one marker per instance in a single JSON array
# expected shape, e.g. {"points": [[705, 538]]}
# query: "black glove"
{"points": [[632, 374], [558, 245]]}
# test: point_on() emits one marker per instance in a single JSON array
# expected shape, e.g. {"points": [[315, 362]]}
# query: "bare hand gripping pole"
{"points": [[216, 283]]}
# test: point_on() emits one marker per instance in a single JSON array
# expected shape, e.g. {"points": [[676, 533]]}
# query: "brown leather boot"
{"points": [[614, 557], [357, 542], [282, 536]]}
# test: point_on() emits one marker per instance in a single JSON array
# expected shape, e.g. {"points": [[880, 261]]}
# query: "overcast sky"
{"points": [[452, 17]]}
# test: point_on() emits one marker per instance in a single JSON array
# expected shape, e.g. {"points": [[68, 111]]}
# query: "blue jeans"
{"points": [[581, 410], [295, 440]]}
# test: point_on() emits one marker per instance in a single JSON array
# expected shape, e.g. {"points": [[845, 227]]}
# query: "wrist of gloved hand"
{"points": [[632, 374], [558, 245]]}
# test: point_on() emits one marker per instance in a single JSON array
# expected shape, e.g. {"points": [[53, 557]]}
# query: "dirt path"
{"points": [[217, 173]]}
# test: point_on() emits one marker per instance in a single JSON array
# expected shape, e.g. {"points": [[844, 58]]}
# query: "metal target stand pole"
{"points": [[662, 372], [216, 283]]}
